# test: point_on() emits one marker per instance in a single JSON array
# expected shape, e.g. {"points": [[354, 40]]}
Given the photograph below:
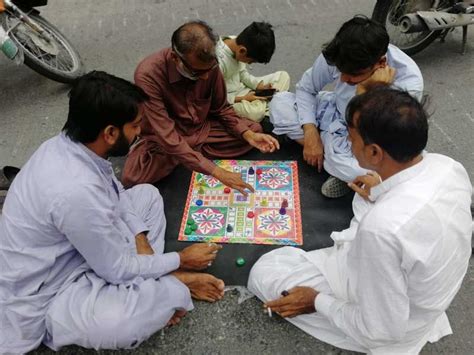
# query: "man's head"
{"points": [[386, 126], [194, 50], [358, 49], [256, 43], [104, 111]]}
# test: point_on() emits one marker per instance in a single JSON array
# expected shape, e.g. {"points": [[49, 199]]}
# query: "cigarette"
{"points": [[269, 310]]}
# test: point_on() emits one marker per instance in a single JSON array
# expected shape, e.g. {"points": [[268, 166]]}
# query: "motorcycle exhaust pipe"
{"points": [[433, 21]]}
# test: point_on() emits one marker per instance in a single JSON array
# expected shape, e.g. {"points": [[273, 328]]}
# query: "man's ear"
{"points": [[382, 62], [110, 134], [376, 154], [242, 51]]}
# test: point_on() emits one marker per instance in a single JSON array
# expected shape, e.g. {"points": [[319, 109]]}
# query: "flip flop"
{"points": [[7, 174]]}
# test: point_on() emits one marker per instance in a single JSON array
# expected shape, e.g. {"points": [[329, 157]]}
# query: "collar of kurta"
{"points": [[397, 179]]}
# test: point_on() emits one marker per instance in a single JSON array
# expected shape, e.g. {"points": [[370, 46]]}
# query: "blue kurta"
{"points": [[326, 110], [68, 258]]}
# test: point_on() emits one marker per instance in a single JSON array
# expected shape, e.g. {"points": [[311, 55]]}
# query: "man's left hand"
{"points": [[263, 142], [300, 300], [262, 86]]}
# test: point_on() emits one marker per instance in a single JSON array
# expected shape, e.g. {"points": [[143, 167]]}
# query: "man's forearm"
{"points": [[142, 244]]}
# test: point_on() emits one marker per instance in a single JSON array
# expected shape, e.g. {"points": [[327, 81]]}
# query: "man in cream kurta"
{"points": [[386, 283]]}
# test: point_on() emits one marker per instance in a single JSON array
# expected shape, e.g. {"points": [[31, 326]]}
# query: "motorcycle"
{"points": [[413, 24], [26, 36]]}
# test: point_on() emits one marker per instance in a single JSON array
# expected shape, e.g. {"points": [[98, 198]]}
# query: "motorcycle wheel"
{"points": [[56, 59], [389, 13]]}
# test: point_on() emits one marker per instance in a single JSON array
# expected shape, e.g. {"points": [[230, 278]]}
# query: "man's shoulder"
{"points": [[153, 65]]}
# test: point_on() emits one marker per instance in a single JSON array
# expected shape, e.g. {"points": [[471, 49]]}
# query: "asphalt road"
{"points": [[113, 35]]}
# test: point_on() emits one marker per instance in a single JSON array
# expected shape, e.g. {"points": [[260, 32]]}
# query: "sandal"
{"points": [[7, 174]]}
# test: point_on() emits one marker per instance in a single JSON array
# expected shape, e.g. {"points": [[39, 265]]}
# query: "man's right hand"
{"points": [[313, 150], [198, 256], [233, 180]]}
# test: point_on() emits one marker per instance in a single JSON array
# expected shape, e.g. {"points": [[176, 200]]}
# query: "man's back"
{"points": [[36, 259], [412, 248]]}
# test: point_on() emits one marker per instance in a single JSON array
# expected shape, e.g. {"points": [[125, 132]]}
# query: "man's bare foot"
{"points": [[176, 318], [203, 287]]}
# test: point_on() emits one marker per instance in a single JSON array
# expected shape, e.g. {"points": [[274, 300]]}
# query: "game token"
{"points": [[282, 211], [251, 171], [201, 191], [259, 171], [250, 214], [190, 222], [229, 228], [284, 203], [188, 231], [240, 261], [199, 202], [264, 203], [227, 190], [194, 227]]}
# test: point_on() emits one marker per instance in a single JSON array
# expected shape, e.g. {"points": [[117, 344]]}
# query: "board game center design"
{"points": [[271, 215]]}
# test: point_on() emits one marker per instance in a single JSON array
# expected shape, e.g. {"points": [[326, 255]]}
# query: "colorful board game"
{"points": [[271, 215]]}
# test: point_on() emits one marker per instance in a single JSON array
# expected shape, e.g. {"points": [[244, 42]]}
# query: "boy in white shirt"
{"points": [[255, 44]]}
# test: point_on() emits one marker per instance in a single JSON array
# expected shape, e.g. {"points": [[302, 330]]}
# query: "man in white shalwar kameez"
{"points": [[81, 259], [358, 55], [386, 283]]}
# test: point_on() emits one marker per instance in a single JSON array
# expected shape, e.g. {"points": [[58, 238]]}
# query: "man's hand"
{"points": [[313, 149], [382, 76], [251, 97], [198, 256], [262, 86], [263, 142], [142, 245], [233, 180], [363, 184], [300, 300]]}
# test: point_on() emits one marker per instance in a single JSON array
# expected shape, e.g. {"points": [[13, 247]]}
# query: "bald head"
{"points": [[195, 38]]}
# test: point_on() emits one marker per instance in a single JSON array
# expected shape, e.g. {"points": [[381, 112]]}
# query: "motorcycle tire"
{"points": [[381, 13], [37, 59]]}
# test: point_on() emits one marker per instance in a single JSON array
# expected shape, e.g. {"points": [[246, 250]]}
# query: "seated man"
{"points": [[255, 44], [81, 260], [187, 119], [358, 55], [385, 285]]}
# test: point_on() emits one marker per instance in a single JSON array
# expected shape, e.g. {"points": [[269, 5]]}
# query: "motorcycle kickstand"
{"points": [[464, 40]]}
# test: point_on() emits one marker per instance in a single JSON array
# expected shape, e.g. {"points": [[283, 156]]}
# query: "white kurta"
{"points": [[326, 110], [386, 283], [69, 271]]}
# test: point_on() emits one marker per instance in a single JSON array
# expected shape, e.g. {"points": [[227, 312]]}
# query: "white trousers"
{"points": [[95, 314]]}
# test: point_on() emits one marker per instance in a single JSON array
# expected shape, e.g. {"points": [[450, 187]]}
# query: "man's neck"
{"points": [[98, 149], [232, 44], [394, 167]]}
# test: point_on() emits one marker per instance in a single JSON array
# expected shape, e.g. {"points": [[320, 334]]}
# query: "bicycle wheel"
{"points": [[389, 13], [50, 54]]}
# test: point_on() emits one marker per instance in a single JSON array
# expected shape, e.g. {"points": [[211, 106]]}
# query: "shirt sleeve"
{"points": [[128, 213], [88, 219], [313, 80], [166, 134], [246, 78], [380, 316], [223, 111]]}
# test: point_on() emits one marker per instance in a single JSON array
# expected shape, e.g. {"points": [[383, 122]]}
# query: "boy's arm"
{"points": [[246, 78]]}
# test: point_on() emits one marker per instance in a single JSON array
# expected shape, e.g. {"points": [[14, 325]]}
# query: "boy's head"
{"points": [[256, 43], [358, 49], [105, 108]]}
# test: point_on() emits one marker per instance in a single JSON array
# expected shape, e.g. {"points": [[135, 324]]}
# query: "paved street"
{"points": [[114, 35]]}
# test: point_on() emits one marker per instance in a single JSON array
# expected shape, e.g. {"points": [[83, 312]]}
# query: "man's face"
{"points": [[357, 78], [359, 149], [191, 67], [127, 136]]}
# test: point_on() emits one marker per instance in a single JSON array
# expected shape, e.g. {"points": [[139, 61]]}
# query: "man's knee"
{"points": [[254, 111], [282, 109], [256, 280]]}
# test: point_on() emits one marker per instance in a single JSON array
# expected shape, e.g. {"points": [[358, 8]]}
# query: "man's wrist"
{"points": [[247, 134]]}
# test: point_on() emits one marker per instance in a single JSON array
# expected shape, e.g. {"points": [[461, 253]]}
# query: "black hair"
{"points": [[195, 36], [392, 119], [259, 40], [98, 99], [359, 44]]}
